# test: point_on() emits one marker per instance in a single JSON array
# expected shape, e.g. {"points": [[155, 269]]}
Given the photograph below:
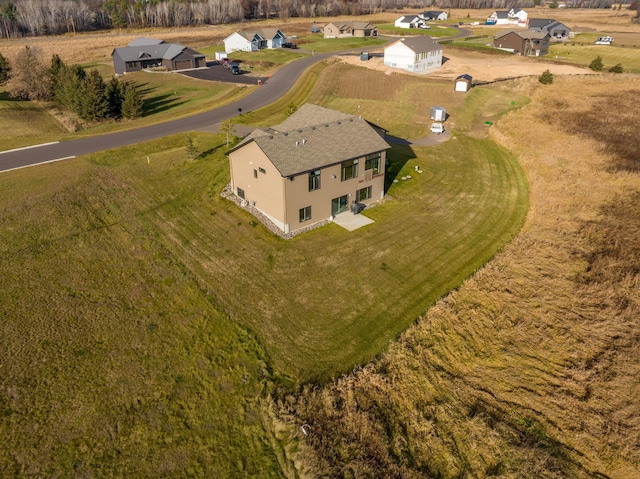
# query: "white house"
{"points": [[410, 21], [414, 54], [433, 15], [251, 41], [515, 16]]}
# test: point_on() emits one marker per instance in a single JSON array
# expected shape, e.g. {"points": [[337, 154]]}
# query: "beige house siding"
{"points": [[331, 186], [266, 191], [270, 168]]}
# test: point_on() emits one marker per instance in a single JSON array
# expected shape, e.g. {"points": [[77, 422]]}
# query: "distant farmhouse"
{"points": [[554, 28], [254, 40], [143, 53], [523, 42], [350, 29], [433, 15], [515, 16], [410, 21], [315, 165], [419, 54]]}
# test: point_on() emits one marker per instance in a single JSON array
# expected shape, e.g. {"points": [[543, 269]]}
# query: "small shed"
{"points": [[463, 83], [438, 113]]}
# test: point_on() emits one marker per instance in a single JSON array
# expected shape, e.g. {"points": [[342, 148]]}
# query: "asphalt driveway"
{"points": [[216, 72]]}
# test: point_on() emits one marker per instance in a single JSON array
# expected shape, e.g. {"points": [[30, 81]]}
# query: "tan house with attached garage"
{"points": [[315, 165]]}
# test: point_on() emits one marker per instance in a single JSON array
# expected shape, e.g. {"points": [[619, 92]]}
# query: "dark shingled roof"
{"points": [[315, 137], [151, 48]]}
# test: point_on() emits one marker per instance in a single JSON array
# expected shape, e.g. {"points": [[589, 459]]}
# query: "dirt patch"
{"points": [[482, 67]]}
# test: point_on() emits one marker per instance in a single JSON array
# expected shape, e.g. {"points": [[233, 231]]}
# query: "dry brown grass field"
{"points": [[529, 369]]}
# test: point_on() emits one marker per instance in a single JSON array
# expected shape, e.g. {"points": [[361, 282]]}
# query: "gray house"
{"points": [[145, 52], [554, 28]]}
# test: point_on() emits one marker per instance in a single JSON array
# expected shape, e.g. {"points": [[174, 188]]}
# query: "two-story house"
{"points": [[315, 165], [414, 54]]}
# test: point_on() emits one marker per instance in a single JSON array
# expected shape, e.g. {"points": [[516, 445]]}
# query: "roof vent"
{"points": [[304, 142], [339, 122], [297, 142]]}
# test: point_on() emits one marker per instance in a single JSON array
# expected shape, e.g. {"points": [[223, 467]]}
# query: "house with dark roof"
{"points": [[315, 165], [522, 42], [433, 15], [143, 53], [254, 40], [420, 54], [350, 29], [554, 28]]}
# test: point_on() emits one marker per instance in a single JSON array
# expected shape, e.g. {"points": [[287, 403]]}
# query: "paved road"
{"points": [[279, 83], [276, 86]]}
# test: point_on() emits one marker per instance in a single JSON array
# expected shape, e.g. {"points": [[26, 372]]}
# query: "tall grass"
{"points": [[529, 368]]}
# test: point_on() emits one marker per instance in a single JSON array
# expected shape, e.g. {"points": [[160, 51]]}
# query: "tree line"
{"points": [[49, 17], [70, 87]]}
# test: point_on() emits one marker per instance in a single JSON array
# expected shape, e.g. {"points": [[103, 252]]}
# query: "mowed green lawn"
{"points": [[144, 316], [611, 55]]}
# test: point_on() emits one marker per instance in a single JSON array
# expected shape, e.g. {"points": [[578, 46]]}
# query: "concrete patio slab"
{"points": [[351, 222]]}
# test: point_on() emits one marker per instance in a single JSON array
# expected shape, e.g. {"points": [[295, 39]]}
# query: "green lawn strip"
{"points": [[24, 123], [264, 62], [435, 30], [584, 55], [323, 45], [116, 362]]}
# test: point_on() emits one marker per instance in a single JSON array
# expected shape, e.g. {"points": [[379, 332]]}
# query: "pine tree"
{"points": [[115, 96], [93, 101], [596, 65], [132, 103], [5, 70], [546, 78], [617, 68], [67, 87]]}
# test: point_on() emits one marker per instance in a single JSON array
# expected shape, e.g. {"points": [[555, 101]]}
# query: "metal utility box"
{"points": [[364, 55], [438, 113]]}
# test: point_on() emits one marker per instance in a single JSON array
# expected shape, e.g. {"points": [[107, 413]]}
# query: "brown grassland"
{"points": [[530, 368]]}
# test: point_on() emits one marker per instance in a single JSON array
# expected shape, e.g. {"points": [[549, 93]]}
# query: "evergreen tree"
{"points": [[596, 65], [115, 97], [93, 104], [617, 68], [67, 87], [132, 104], [546, 78], [5, 70]]}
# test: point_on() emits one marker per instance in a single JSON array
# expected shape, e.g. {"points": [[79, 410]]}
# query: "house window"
{"points": [[349, 170], [314, 180], [305, 214], [132, 64], [262, 170], [363, 194], [241, 193], [372, 162], [255, 173]]}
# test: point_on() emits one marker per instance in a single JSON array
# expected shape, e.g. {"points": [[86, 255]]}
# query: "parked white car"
{"points": [[437, 128]]}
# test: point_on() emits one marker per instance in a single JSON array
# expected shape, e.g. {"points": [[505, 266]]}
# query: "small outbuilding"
{"points": [[463, 83], [438, 113]]}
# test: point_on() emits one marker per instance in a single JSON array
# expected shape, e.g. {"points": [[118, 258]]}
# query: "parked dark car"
{"points": [[289, 45], [235, 68]]}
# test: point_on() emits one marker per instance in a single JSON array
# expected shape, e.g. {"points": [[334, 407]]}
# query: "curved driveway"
{"points": [[279, 83]]}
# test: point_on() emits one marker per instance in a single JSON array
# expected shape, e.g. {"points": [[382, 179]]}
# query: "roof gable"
{"points": [[418, 44], [315, 137]]}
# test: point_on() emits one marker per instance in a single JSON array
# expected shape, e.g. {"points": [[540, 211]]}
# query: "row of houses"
{"points": [[419, 20]]}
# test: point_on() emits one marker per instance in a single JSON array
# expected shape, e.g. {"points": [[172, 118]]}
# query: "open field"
{"points": [[530, 368], [154, 280], [147, 322]]}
